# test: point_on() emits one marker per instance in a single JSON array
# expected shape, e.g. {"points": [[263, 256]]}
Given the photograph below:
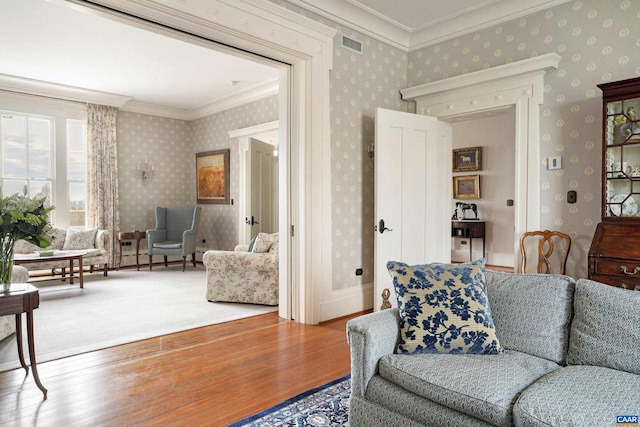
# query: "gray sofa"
{"points": [[572, 358]]}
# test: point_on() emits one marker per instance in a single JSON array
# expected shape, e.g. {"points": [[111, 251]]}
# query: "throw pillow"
{"points": [[251, 243], [263, 242], [444, 308], [80, 238]]}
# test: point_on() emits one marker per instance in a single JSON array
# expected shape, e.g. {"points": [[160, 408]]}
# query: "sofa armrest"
{"points": [[101, 242], [370, 337], [247, 261]]}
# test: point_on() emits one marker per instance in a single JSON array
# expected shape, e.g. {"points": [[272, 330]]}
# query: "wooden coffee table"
{"points": [[70, 256]]}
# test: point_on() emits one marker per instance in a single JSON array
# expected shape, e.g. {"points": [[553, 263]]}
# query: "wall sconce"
{"points": [[146, 170]]}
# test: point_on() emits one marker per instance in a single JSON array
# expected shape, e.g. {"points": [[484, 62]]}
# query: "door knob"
{"points": [[381, 227]]}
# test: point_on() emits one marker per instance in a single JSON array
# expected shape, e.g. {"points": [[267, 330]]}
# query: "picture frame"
{"points": [[466, 187], [467, 159], [212, 177]]}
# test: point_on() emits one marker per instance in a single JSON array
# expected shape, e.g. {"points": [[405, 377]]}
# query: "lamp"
{"points": [[146, 170]]}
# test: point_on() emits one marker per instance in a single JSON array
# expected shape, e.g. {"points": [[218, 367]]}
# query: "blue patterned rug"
{"points": [[327, 405]]}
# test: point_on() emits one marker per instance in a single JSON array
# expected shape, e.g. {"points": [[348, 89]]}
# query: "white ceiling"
{"points": [[53, 42]]}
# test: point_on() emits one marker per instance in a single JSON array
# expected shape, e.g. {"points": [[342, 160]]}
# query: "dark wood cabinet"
{"points": [[614, 256], [469, 229]]}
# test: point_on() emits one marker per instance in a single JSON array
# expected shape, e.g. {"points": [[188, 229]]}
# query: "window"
{"points": [[77, 171], [43, 144], [27, 148]]}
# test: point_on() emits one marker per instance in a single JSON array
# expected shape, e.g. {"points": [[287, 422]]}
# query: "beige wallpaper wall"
{"points": [[360, 83], [599, 42], [171, 145]]}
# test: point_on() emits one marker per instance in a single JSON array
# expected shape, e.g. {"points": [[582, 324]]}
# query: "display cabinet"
{"points": [[614, 256]]}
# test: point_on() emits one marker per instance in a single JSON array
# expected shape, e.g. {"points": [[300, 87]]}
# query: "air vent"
{"points": [[351, 44]]}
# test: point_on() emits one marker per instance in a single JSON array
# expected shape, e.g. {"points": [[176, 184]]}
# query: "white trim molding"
{"points": [[266, 29], [519, 85]]}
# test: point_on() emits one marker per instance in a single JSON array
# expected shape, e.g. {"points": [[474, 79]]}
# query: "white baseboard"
{"points": [[347, 301]]}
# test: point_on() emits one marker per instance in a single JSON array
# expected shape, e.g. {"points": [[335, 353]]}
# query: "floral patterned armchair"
{"points": [[242, 275]]}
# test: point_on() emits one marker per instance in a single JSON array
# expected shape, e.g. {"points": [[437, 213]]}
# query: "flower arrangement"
{"points": [[22, 217]]}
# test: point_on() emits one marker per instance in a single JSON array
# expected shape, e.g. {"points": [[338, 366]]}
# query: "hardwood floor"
{"points": [[208, 376]]}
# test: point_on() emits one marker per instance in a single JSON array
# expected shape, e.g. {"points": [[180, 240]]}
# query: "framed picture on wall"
{"points": [[212, 177], [467, 159], [466, 187]]}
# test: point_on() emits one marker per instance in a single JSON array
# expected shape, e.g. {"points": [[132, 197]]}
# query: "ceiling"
{"points": [[49, 41]]}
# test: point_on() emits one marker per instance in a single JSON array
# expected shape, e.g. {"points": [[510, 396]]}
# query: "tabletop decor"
{"points": [[22, 217]]}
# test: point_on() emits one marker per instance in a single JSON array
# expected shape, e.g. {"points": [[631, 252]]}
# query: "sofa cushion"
{"points": [[532, 312], [578, 396], [605, 329], [483, 386], [443, 309], [80, 238]]}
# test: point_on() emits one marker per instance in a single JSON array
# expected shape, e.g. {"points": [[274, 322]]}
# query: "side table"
{"points": [[131, 235], [469, 229], [23, 298]]}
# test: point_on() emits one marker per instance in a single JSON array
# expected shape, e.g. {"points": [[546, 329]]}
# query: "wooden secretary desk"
{"points": [[614, 256]]}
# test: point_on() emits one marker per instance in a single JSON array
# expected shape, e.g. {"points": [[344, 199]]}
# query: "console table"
{"points": [[23, 298], [469, 229], [131, 235]]}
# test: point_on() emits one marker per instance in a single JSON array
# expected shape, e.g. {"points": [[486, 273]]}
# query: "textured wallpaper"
{"points": [[171, 145], [599, 42]]}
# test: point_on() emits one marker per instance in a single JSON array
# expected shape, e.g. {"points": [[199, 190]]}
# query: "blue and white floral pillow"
{"points": [[444, 308]]}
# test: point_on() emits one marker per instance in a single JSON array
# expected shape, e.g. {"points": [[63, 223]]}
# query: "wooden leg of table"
{"points": [[32, 353], [81, 267], [120, 262], [165, 261], [138, 254], [19, 341], [71, 271]]}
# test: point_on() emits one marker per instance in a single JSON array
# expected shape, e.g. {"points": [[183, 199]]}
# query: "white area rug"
{"points": [[126, 306]]}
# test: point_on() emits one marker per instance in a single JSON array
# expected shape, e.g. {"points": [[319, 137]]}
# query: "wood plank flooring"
{"points": [[208, 376]]}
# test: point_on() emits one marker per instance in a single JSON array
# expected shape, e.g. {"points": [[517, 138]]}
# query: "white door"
{"points": [[262, 210], [413, 192]]}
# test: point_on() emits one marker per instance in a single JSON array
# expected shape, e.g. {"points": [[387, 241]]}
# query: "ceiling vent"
{"points": [[351, 44]]}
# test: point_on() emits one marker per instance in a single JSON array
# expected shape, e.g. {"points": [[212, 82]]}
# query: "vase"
{"points": [[7, 244]]}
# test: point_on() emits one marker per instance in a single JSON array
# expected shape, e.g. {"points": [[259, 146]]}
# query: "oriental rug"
{"points": [[327, 405]]}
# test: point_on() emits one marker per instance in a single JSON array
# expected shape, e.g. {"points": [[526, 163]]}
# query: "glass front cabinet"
{"points": [[614, 257]]}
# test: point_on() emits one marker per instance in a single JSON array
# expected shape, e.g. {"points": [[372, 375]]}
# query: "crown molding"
{"points": [[127, 103], [356, 18], [373, 24], [58, 91], [492, 14]]}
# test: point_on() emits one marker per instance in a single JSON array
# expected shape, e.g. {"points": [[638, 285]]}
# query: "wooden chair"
{"points": [[546, 247]]}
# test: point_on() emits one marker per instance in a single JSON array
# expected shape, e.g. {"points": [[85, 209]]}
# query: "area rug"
{"points": [[325, 406], [125, 306]]}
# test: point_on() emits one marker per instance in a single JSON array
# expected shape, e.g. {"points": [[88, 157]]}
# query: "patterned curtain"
{"points": [[102, 162]]}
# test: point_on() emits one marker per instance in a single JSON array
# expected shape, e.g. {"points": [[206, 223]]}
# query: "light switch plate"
{"points": [[554, 163]]}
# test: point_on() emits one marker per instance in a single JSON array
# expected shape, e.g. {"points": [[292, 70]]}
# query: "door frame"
{"points": [[304, 47], [519, 84]]}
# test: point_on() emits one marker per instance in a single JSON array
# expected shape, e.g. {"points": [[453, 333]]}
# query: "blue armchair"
{"points": [[175, 234]]}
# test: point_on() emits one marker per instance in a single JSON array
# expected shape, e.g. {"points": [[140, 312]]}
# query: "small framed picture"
{"points": [[466, 187], [467, 159]]}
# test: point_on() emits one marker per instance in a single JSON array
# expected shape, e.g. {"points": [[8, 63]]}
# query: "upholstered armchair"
{"points": [[175, 234], [243, 275]]}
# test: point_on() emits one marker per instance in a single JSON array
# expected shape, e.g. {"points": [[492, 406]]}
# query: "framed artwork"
{"points": [[212, 177], [466, 187], [467, 159]]}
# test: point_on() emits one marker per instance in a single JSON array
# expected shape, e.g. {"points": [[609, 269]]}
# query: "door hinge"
{"points": [[292, 231]]}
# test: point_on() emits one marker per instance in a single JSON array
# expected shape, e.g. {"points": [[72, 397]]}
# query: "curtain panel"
{"points": [[102, 164]]}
